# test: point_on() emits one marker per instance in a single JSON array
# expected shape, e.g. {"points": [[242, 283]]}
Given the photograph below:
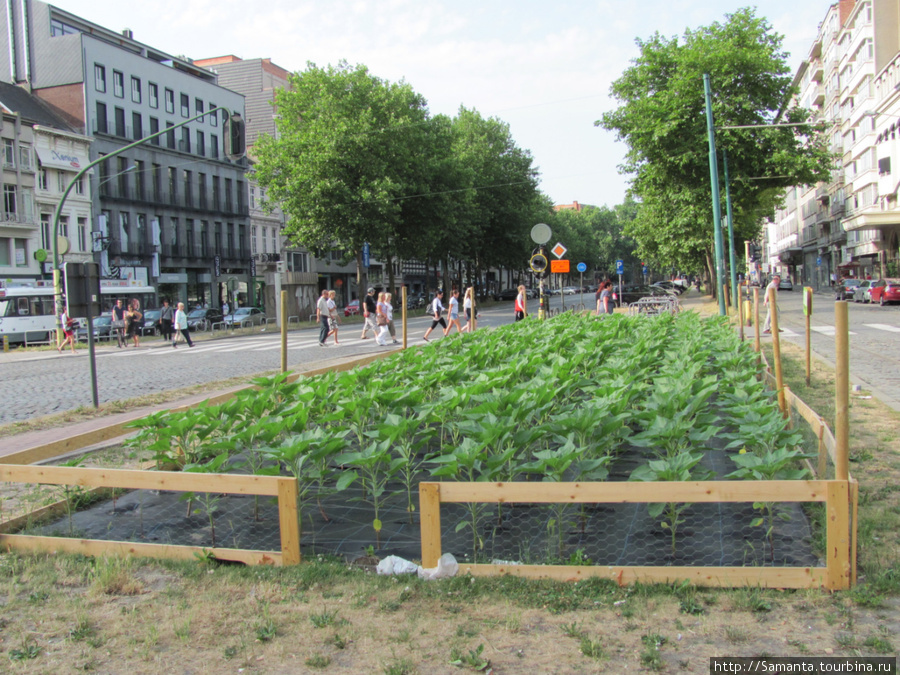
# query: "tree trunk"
{"points": [[362, 276], [711, 284], [390, 263]]}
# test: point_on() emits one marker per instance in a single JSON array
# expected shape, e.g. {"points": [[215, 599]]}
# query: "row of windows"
{"points": [[14, 252], [170, 184], [269, 240], [18, 204], [181, 141], [9, 155], [137, 94], [193, 239], [79, 240], [62, 182]]}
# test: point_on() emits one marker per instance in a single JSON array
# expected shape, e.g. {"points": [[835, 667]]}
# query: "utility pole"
{"points": [[735, 292], [716, 198]]}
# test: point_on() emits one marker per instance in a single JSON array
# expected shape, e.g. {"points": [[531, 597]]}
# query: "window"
{"points": [[139, 179], [9, 201], [170, 135], [228, 194], [157, 182], [201, 144], [4, 252], [58, 28], [213, 119], [189, 235], [120, 121], [240, 196], [229, 238], [9, 152], [154, 129], [124, 168], [136, 89], [141, 233], [201, 187], [188, 188], [61, 181], [252, 196], [299, 261], [215, 193], [118, 84], [273, 240], [218, 237], [185, 145], [42, 179], [103, 176], [185, 105], [137, 124], [79, 186], [265, 238], [64, 226], [198, 107], [25, 156], [100, 78], [45, 231], [153, 91], [82, 234], [21, 246], [173, 184], [214, 146], [170, 101], [254, 232], [242, 243], [204, 238]]}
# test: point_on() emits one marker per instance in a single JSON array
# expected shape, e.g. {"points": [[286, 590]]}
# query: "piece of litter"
{"points": [[863, 397]]}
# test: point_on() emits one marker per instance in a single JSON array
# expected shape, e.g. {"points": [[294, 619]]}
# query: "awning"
{"points": [[66, 160]]}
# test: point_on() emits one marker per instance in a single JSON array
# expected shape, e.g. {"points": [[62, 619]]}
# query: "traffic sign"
{"points": [[540, 233], [620, 267], [581, 267], [559, 266], [559, 250]]}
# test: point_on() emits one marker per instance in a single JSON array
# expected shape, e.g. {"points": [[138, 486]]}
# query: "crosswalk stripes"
{"points": [[883, 326], [828, 330]]}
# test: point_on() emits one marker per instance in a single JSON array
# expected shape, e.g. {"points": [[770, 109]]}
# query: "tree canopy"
{"points": [[661, 118]]}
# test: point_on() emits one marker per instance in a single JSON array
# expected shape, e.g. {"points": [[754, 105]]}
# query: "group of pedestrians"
{"points": [[437, 307]]}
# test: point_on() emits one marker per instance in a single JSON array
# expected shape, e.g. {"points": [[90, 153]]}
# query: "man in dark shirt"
{"points": [[369, 310], [118, 318]]}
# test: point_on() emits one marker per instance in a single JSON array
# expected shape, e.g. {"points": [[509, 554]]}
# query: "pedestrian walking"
{"points": [[381, 321], [453, 313], [369, 310], [468, 301], [322, 317], [605, 303], [68, 326], [436, 308], [389, 308], [520, 304], [225, 308], [166, 320], [134, 321], [773, 286], [181, 327], [331, 304], [118, 322]]}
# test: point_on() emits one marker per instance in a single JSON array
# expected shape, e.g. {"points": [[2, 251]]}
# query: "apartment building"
{"points": [[847, 226], [171, 213]]}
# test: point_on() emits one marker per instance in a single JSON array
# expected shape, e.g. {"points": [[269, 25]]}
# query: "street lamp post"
{"points": [[57, 284]]}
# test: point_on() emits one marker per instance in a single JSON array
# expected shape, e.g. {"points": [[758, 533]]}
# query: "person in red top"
{"points": [[69, 332], [520, 304]]}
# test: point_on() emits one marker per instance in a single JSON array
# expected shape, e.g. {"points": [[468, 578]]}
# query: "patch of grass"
{"points": [[324, 618], [691, 606], [26, 651], [318, 661], [735, 636], [399, 667], [466, 630], [82, 630], [753, 600], [471, 660], [592, 648], [266, 630], [879, 644], [114, 576], [572, 630]]}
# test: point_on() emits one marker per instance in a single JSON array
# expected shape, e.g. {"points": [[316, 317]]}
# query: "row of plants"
{"points": [[555, 401]]}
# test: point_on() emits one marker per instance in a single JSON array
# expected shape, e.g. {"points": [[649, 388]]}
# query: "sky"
{"points": [[543, 68]]}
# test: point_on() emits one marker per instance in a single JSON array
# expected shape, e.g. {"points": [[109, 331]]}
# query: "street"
{"points": [[44, 383], [874, 339]]}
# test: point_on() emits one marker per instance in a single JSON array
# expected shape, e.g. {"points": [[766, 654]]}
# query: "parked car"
{"points": [[785, 284], [885, 291], [861, 294], [102, 329], [352, 308], [244, 315], [571, 290], [669, 286], [203, 319], [508, 294], [845, 289], [151, 322]]}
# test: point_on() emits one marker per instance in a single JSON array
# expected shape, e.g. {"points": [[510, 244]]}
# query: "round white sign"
{"points": [[540, 233]]}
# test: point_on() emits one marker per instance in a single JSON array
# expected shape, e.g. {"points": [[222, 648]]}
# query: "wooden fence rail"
{"points": [[284, 488], [837, 573]]}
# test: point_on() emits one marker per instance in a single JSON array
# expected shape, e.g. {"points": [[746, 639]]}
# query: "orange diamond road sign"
{"points": [[559, 266], [559, 250]]}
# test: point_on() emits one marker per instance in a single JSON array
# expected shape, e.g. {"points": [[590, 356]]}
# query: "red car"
{"points": [[884, 291], [352, 308]]}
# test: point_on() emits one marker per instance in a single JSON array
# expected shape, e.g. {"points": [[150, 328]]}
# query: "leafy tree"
{"points": [[662, 120], [350, 148], [595, 235]]}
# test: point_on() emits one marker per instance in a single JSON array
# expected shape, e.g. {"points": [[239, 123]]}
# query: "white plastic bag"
{"points": [[396, 565], [447, 567]]}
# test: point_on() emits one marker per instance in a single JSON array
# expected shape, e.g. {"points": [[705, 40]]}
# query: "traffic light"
{"points": [[234, 136]]}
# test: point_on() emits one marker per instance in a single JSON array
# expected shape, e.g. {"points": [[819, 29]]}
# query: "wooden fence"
{"points": [[285, 489], [837, 573]]}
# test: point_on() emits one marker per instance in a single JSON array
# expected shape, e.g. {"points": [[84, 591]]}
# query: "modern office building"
{"points": [[171, 213]]}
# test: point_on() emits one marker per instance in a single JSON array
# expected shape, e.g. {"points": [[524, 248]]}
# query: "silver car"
{"points": [[862, 293], [245, 316]]}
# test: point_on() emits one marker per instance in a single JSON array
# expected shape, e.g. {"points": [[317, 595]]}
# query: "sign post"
{"points": [[581, 267], [540, 235], [620, 270]]}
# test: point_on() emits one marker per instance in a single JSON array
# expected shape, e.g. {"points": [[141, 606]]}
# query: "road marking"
{"points": [[883, 326], [828, 330]]}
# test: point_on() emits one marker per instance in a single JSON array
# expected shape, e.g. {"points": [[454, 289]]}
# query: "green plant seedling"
{"points": [[472, 660]]}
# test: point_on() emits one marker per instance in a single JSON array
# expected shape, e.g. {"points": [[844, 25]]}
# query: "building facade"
{"points": [[171, 213]]}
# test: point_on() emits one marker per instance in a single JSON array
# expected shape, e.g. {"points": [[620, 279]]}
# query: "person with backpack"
{"points": [[436, 308]]}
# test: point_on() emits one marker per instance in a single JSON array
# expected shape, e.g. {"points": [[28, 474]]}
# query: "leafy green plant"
{"points": [[472, 660], [210, 500]]}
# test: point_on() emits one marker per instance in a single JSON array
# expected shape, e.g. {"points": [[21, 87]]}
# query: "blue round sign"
{"points": [[581, 267]]}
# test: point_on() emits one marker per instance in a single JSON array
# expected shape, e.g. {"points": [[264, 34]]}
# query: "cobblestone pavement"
{"points": [[874, 340]]}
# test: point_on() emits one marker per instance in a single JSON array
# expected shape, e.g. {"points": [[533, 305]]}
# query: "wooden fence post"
{"points": [[776, 351], [757, 345], [284, 348], [430, 516], [841, 392], [289, 521], [403, 312], [837, 528]]}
